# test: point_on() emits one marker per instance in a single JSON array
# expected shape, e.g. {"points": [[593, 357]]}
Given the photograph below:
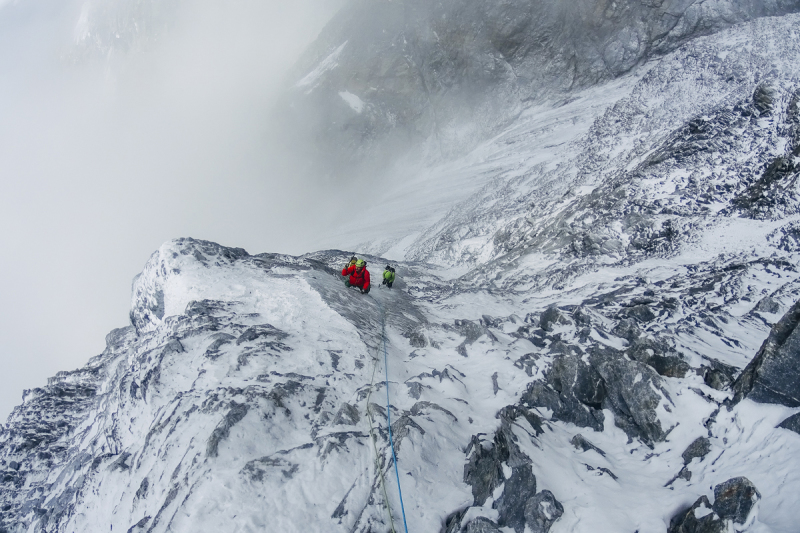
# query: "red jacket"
{"points": [[358, 279]]}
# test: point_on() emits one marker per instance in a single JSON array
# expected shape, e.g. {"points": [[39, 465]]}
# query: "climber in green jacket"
{"points": [[388, 276]]}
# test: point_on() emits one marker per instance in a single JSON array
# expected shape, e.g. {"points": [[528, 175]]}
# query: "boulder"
{"points": [[699, 518], [541, 511], [735, 499], [734, 503], [569, 375], [699, 448], [580, 443], [452, 524], [482, 525]]}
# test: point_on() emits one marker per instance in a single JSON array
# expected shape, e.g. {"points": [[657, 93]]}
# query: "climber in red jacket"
{"points": [[359, 275]]}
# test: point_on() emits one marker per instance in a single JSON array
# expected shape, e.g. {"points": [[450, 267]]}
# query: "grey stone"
{"points": [[518, 489], [773, 376], [734, 499], [258, 332], [688, 522], [716, 379], [482, 525], [452, 524], [470, 330], [565, 407], [416, 339], [627, 329], [414, 389], [220, 340], [421, 407], [139, 527], [541, 512], [631, 394], [553, 316], [641, 313], [661, 357], [484, 470], [580, 443], [258, 469], [768, 305], [347, 415], [236, 413], [569, 375], [764, 98], [700, 447], [402, 428], [582, 317]]}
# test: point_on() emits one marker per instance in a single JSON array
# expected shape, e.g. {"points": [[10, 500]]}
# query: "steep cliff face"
{"points": [[593, 329], [388, 76]]}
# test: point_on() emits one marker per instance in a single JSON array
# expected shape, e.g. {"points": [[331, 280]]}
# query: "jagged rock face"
{"points": [[385, 76], [771, 376], [204, 381]]}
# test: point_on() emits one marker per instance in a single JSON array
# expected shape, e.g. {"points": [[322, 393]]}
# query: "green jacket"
{"points": [[388, 275]]}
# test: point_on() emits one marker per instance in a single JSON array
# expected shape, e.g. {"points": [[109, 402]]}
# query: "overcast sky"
{"points": [[102, 160]]}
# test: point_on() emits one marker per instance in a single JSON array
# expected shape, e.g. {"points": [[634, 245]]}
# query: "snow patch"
{"points": [[355, 103]]}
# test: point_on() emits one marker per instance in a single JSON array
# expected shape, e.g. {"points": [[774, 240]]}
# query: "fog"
{"points": [[107, 153]]}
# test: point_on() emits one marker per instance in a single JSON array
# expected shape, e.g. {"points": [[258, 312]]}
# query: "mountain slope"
{"points": [[390, 76], [575, 307]]}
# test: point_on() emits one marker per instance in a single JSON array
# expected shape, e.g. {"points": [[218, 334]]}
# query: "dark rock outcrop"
{"points": [[792, 423], [484, 470], [699, 518], [518, 489], [773, 376], [482, 525], [580, 443], [698, 448], [553, 316], [734, 499], [631, 394]]}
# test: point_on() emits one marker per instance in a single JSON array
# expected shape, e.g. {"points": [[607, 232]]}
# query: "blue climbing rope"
{"points": [[389, 412]]}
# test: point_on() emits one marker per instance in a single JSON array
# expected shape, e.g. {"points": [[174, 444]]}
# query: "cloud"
{"points": [[108, 149]]}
